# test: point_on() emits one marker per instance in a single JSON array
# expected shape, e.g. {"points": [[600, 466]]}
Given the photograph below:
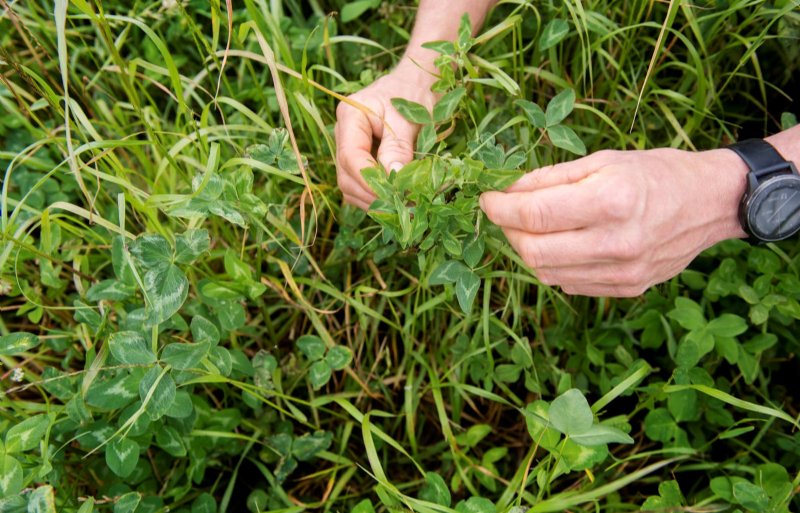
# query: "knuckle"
{"points": [[620, 199], [625, 247], [531, 254], [546, 278], [632, 276], [535, 216]]}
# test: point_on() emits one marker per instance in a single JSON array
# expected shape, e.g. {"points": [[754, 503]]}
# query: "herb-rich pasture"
{"points": [[191, 321]]}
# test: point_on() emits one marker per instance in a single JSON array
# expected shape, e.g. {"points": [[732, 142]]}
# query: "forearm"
{"points": [[439, 20]]}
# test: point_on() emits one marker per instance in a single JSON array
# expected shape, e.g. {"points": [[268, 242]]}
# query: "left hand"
{"points": [[615, 223]]}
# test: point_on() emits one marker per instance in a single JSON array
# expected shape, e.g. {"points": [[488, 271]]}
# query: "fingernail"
{"points": [[482, 203], [395, 166]]}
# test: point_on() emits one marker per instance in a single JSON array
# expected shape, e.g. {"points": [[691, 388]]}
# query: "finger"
{"points": [[357, 202], [595, 290], [351, 187], [633, 274], [353, 133], [563, 173], [397, 144], [559, 249], [553, 209]]}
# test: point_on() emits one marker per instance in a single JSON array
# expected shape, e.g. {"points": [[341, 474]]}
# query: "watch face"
{"points": [[774, 208]]}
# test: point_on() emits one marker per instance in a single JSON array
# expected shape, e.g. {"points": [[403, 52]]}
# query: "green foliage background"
{"points": [[191, 322]]}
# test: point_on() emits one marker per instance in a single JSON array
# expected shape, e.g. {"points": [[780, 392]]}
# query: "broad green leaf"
{"points": [[476, 505], [473, 251], [412, 111], [660, 426], [750, 496], [339, 357], [447, 105], [184, 356], [727, 348], [311, 346], [158, 389], [166, 290], [182, 407], [220, 357], [42, 500], [447, 272], [377, 180], [772, 477], [152, 251], [110, 290], [120, 261], [10, 476], [86, 314], [235, 268], [88, 506], [352, 10], [170, 441], [467, 287], [559, 107], [426, 139], [507, 373], [27, 434], [553, 33], [570, 413], [204, 331], [760, 343], [128, 503], [693, 347], [131, 348], [365, 506], [688, 314], [669, 498], [600, 434], [115, 393], [319, 374], [727, 325], [435, 490], [580, 457], [204, 503], [683, 405], [309, 445], [191, 244], [122, 455], [15, 343], [564, 137], [533, 112]]}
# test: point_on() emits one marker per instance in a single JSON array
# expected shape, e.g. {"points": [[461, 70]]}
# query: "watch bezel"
{"points": [[758, 195]]}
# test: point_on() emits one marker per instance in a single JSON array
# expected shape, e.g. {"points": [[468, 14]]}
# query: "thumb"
{"points": [[397, 144], [564, 173]]}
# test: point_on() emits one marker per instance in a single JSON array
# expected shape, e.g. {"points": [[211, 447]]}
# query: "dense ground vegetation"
{"points": [[191, 321]]}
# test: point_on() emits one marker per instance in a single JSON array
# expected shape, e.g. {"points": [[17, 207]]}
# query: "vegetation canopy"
{"points": [[191, 321]]}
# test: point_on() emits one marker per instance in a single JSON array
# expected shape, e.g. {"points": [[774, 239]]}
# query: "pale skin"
{"points": [[613, 223]]}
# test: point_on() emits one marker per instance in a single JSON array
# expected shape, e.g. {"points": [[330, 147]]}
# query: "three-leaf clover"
{"points": [[324, 360]]}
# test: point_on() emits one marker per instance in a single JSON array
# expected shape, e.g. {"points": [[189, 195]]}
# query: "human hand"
{"points": [[356, 129], [615, 223]]}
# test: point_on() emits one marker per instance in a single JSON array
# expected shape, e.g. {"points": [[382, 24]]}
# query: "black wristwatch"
{"points": [[770, 207]]}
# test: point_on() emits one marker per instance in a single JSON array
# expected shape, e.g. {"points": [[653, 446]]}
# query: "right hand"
{"points": [[356, 129]]}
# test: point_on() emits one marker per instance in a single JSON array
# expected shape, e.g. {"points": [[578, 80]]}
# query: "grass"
{"points": [[165, 371]]}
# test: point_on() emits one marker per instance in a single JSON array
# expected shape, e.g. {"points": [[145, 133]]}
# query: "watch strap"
{"points": [[761, 157]]}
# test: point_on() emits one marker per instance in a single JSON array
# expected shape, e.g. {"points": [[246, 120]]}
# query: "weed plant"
{"points": [[192, 323]]}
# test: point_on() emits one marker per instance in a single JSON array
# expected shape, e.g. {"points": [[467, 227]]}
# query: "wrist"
{"points": [[418, 68], [726, 173]]}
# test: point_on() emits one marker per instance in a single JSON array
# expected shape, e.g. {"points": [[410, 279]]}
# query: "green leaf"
{"points": [[88, 506], [467, 287], [559, 107], [27, 434], [10, 476], [122, 456], [473, 251], [693, 347], [564, 137], [169, 440], [128, 503], [309, 445], [476, 505], [319, 374], [553, 33], [311, 346], [42, 500], [683, 405], [352, 10], [110, 290], [750, 496], [204, 503], [660, 426], [152, 251], [204, 331], [19, 342], [120, 261], [447, 272], [191, 244], [447, 105], [570, 413], [377, 180], [130, 348], [115, 393], [166, 290], [236, 269], [688, 314], [339, 357], [580, 457], [160, 387], [435, 490], [365, 506], [600, 434], [426, 139], [533, 112], [727, 325], [184, 356], [412, 111]]}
